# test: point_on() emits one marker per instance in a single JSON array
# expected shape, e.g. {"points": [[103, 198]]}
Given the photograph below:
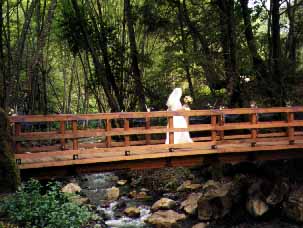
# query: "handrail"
{"points": [[217, 126], [133, 115]]}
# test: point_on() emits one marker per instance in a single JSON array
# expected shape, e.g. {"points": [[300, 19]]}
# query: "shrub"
{"points": [[34, 206]]}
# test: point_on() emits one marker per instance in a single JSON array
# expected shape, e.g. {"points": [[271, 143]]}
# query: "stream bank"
{"points": [[263, 194]]}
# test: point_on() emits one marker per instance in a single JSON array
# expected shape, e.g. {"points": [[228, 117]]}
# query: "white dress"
{"points": [[174, 104]]}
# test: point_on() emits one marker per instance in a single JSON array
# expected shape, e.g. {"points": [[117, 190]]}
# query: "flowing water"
{"points": [[94, 187]]}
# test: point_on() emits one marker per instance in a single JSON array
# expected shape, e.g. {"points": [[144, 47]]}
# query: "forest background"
{"points": [[84, 56]]}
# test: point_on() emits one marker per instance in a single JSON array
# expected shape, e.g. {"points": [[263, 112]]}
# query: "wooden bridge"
{"points": [[55, 145]]}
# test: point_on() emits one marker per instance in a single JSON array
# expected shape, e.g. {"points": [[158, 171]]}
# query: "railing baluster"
{"points": [[214, 132], [126, 128], [170, 126], [253, 120], [75, 129], [291, 130], [62, 132], [147, 126], [108, 130], [221, 124], [17, 133]]}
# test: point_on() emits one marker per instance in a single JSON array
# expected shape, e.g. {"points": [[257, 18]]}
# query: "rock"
{"points": [[217, 199], [80, 200], [278, 194], [256, 203], [165, 219], [133, 212], [112, 193], [163, 203], [200, 225], [121, 182], [191, 203], [138, 195], [187, 185], [256, 207], [293, 206], [71, 188]]}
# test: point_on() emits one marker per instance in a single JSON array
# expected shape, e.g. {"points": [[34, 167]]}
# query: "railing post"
{"points": [[170, 126], [74, 129], [291, 130], [62, 132], [126, 128], [221, 124], [17, 133], [213, 121], [108, 129], [253, 120], [147, 126]]}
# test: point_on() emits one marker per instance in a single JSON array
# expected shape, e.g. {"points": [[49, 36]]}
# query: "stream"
{"points": [[94, 187]]}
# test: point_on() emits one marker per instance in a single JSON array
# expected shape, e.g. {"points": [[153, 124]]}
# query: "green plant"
{"points": [[35, 207]]}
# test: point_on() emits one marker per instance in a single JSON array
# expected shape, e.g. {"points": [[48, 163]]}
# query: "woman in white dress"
{"points": [[174, 104]]}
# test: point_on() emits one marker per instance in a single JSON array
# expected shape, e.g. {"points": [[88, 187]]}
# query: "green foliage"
{"points": [[33, 206]]}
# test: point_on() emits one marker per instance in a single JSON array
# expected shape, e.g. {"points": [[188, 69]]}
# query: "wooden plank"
{"points": [[214, 132], [75, 128], [108, 130], [62, 132], [161, 155], [126, 129], [253, 121], [147, 126], [291, 130], [170, 126], [17, 133]]}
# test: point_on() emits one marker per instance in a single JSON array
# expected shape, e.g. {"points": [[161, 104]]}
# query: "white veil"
{"points": [[173, 102]]}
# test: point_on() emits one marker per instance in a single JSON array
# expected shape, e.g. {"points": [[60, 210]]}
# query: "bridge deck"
{"points": [[271, 133]]}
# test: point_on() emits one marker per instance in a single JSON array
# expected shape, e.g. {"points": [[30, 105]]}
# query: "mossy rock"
{"points": [[9, 173]]}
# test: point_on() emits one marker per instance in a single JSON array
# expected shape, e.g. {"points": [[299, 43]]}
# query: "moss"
{"points": [[9, 173]]}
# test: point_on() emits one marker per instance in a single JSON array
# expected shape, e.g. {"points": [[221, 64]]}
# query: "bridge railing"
{"points": [[118, 130]]}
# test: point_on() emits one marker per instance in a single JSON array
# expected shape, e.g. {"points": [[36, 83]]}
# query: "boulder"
{"points": [[165, 219], [163, 203], [112, 193], [293, 206], [138, 195], [200, 225], [71, 188], [188, 186], [217, 199], [278, 193], [80, 200], [256, 202], [256, 207], [133, 212], [191, 203]]}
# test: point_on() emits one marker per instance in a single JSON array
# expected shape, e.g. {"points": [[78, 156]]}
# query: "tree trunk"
{"points": [[9, 173], [35, 77], [98, 67], [228, 40], [276, 51], [212, 77], [2, 73], [291, 42], [184, 49], [134, 56], [260, 67]]}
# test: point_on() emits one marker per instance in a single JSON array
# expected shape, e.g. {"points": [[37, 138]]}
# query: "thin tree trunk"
{"points": [[228, 40], [2, 73], [184, 49], [98, 67], [276, 51], [134, 55]]}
